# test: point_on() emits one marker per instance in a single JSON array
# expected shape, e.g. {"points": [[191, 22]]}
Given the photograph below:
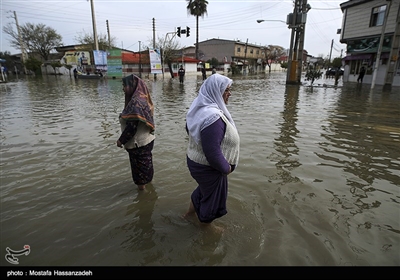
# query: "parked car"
{"points": [[332, 71]]}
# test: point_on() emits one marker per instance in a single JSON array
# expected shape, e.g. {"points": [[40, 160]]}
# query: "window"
{"points": [[378, 15], [238, 49]]}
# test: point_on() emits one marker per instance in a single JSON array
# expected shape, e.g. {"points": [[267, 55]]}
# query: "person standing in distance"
{"points": [[203, 72], [361, 75], [181, 73], [213, 148], [137, 126]]}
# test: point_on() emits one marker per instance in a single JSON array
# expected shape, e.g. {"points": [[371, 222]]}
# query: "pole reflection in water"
{"points": [[285, 144], [317, 181]]}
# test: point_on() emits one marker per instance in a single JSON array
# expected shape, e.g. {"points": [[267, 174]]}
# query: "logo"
{"points": [[10, 256]]}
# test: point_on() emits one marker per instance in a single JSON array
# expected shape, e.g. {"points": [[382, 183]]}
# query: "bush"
{"points": [[312, 75]]}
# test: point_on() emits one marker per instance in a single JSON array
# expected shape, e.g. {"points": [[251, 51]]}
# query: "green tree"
{"points": [[197, 8], [234, 69], [84, 38], [213, 62], [312, 75], [37, 38], [284, 65], [69, 67], [33, 65], [337, 62]]}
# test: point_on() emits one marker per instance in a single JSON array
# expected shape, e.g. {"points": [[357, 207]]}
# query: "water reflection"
{"points": [[359, 131], [140, 229], [285, 145]]}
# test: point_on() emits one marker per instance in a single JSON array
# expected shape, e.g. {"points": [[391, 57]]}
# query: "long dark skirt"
{"points": [[209, 198], [141, 160]]}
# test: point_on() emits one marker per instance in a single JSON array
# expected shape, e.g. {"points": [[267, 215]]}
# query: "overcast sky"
{"points": [[130, 21]]}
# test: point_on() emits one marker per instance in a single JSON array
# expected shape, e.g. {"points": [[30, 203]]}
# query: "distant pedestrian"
{"points": [[213, 71], [4, 73], [361, 75], [337, 75], [203, 72], [181, 73]]}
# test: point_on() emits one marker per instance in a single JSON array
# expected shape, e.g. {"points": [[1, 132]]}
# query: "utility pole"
{"points": [[330, 53], [21, 43], [154, 34], [378, 54], [245, 56], [302, 29], [108, 34], [291, 67], [393, 56], [154, 40], [96, 44], [140, 61]]}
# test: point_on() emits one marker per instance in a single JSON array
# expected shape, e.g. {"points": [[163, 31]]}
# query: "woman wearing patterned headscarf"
{"points": [[213, 149], [137, 125]]}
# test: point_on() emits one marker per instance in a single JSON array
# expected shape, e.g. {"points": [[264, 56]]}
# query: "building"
{"points": [[364, 21], [248, 57], [135, 62]]}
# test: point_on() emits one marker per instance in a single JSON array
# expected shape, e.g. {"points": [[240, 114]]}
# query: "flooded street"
{"points": [[318, 180]]}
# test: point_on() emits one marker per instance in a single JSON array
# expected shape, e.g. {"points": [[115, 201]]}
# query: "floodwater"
{"points": [[318, 180]]}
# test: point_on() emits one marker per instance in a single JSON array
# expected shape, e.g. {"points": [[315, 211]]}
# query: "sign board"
{"points": [[114, 64], [155, 61], [78, 58]]}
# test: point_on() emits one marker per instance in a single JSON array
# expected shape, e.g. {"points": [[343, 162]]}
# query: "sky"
{"points": [[131, 22]]}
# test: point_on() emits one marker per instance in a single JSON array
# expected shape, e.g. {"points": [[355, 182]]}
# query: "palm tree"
{"points": [[197, 8]]}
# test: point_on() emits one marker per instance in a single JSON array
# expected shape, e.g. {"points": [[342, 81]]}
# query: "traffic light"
{"points": [[187, 31], [178, 32]]}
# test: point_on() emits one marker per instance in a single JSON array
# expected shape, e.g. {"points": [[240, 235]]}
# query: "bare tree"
{"points": [[171, 50], [37, 38], [88, 39], [272, 53]]}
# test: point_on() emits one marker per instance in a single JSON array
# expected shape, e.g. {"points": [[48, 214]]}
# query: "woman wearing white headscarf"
{"points": [[213, 149]]}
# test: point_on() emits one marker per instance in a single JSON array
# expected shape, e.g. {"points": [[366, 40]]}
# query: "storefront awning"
{"points": [[358, 56]]}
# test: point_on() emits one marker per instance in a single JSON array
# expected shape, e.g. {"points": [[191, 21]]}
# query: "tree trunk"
{"points": [[170, 69]]}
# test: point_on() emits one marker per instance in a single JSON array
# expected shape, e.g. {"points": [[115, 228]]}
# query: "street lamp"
{"points": [[262, 20], [296, 22]]}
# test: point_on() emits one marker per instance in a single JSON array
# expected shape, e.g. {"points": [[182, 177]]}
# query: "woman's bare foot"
{"points": [[213, 228]]}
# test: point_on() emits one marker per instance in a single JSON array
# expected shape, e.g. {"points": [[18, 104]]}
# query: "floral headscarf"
{"points": [[138, 103]]}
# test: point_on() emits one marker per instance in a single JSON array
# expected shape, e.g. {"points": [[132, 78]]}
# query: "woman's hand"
{"points": [[119, 144]]}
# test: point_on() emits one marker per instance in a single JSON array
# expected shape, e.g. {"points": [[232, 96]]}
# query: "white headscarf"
{"points": [[209, 105]]}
